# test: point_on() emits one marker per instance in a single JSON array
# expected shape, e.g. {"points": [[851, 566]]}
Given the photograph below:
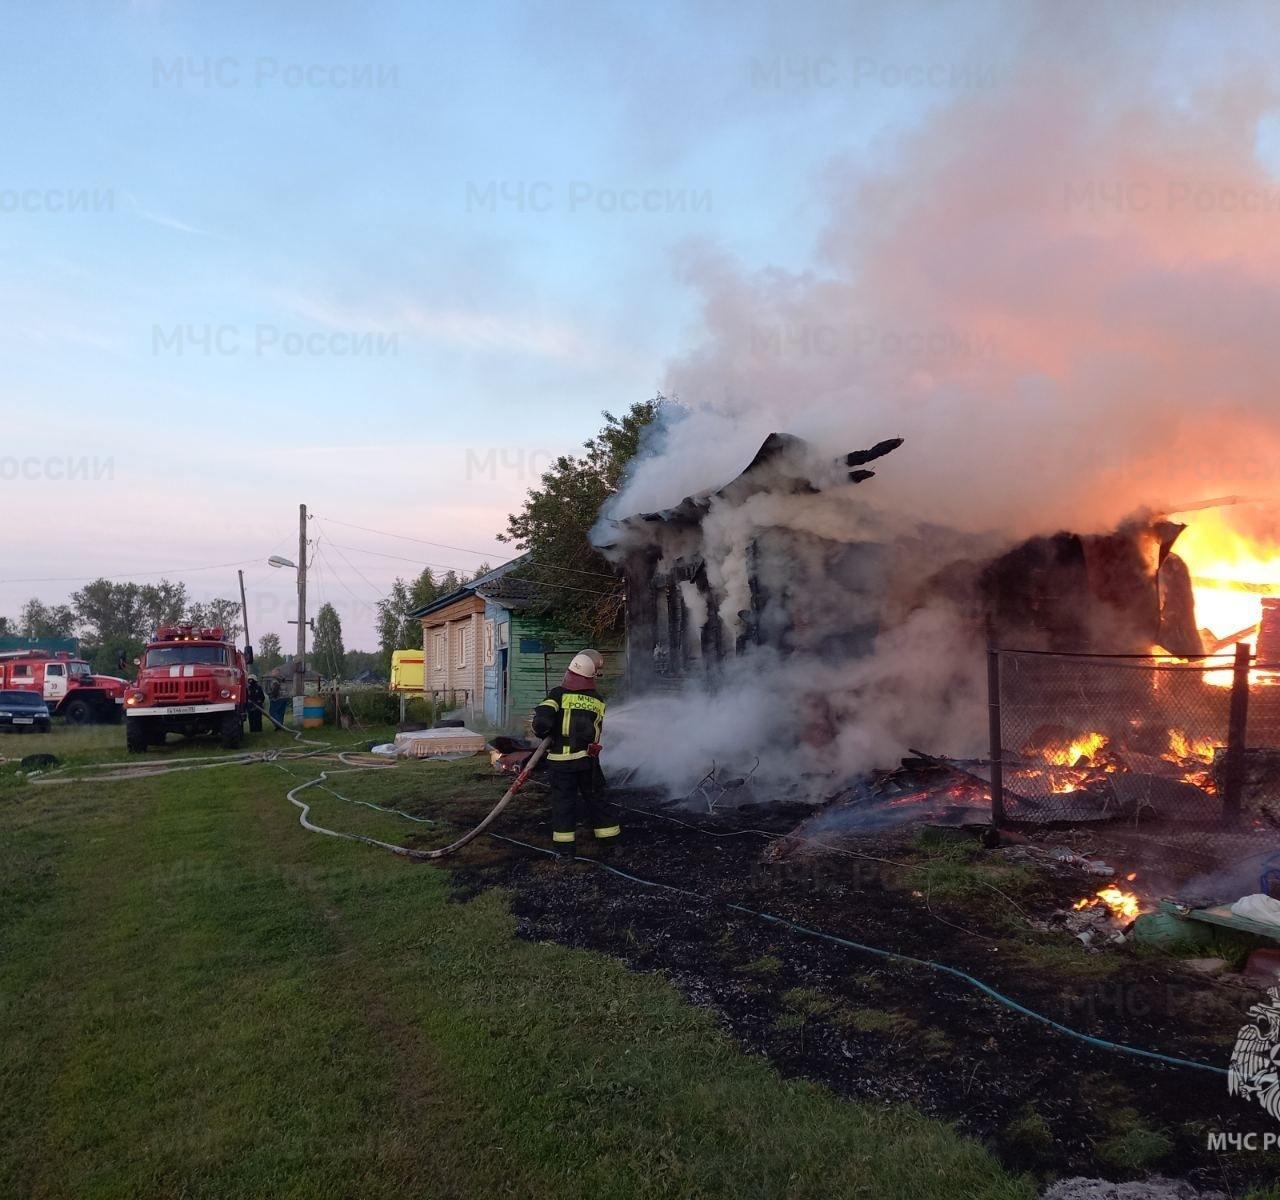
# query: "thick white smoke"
{"points": [[1062, 293], [923, 687]]}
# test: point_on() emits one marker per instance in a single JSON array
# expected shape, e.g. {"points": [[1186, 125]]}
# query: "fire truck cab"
{"points": [[190, 681], [68, 684]]}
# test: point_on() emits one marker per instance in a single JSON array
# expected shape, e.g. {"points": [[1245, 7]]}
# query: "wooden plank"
{"points": [[1221, 915]]}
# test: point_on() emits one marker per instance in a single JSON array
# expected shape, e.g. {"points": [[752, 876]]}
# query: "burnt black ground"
{"points": [[879, 1032]]}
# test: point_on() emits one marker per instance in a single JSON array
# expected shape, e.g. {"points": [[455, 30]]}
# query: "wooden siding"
{"points": [[461, 624], [529, 679]]}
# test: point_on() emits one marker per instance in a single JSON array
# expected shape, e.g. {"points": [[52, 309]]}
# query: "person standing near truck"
{"points": [[277, 701], [256, 698]]}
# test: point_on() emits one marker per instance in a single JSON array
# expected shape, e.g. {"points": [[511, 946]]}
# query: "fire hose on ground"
{"points": [[803, 930], [350, 766], [130, 770], [305, 821]]}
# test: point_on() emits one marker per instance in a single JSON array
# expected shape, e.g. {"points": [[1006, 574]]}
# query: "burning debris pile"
{"points": [[1107, 915], [1135, 738], [1091, 776]]}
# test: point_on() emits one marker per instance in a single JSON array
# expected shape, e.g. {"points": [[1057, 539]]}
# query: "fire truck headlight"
{"points": [[226, 692], [134, 698]]}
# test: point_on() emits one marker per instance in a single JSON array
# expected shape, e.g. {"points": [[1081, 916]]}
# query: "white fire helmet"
{"points": [[586, 663]]}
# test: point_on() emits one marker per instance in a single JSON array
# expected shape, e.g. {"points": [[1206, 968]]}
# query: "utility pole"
{"points": [[300, 662], [244, 611]]}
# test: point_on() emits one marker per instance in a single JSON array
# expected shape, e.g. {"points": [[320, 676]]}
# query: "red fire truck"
{"points": [[190, 681], [68, 684]]}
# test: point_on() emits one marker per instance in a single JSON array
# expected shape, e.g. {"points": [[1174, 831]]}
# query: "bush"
{"points": [[373, 707]]}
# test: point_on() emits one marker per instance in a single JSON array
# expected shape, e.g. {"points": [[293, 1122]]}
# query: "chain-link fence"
{"points": [[1097, 737]]}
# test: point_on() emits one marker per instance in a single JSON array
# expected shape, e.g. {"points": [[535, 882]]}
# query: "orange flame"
{"points": [[1231, 573], [1184, 747], [1123, 906], [1085, 746]]}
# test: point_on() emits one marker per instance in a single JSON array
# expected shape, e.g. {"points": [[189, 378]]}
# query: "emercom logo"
{"points": [[1255, 1062]]}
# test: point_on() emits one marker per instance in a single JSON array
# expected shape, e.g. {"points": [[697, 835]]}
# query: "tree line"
{"points": [[326, 654]]}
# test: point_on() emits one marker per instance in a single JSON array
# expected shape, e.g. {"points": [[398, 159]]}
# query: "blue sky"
{"points": [[204, 208]]}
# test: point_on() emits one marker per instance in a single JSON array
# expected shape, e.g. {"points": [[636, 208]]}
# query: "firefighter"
{"points": [[572, 715], [275, 693]]}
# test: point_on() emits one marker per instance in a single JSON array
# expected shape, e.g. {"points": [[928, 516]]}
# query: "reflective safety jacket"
{"points": [[573, 720]]}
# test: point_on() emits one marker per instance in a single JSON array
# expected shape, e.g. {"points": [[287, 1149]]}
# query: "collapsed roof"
{"points": [[784, 464], [825, 593]]}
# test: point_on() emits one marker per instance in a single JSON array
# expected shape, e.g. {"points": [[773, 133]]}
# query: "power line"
{"points": [[462, 549], [132, 574], [317, 557], [547, 583], [372, 587], [324, 558], [533, 562], [405, 537], [244, 562], [419, 562], [398, 557]]}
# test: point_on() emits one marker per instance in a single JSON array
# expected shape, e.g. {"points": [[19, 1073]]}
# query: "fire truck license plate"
{"points": [[178, 710]]}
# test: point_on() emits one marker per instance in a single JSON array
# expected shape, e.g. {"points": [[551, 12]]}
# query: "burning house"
{"points": [[787, 557], [787, 619]]}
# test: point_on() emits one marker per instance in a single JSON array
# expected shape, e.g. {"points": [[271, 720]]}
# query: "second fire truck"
{"points": [[68, 684]]}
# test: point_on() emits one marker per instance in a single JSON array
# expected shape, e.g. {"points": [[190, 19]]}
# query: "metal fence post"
{"points": [[996, 732], [1237, 735]]}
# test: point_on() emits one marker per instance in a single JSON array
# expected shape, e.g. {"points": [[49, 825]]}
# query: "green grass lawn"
{"points": [[199, 998]]}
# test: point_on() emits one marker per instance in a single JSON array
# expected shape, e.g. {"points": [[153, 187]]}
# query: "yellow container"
{"points": [[406, 671]]}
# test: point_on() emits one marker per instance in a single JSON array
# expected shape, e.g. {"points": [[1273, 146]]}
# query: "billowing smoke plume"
{"points": [[1062, 291]]}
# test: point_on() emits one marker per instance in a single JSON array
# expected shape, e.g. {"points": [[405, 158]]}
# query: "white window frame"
{"points": [[504, 634], [490, 637], [460, 659], [439, 648]]}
